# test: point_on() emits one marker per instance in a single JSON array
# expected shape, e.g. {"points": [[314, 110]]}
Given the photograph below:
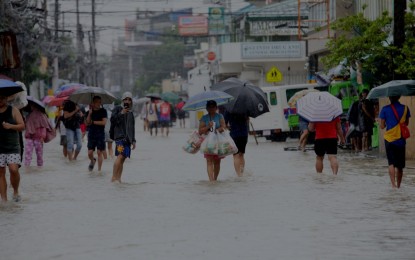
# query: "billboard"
{"points": [[217, 20], [193, 25]]}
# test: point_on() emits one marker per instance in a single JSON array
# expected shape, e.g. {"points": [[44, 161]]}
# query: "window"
{"points": [[273, 98]]}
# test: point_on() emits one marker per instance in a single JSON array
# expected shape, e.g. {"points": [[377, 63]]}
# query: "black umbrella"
{"points": [[8, 88], [248, 99], [153, 95]]}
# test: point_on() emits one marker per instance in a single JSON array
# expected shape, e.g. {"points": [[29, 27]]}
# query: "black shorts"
{"points": [[97, 141], [240, 142], [153, 124], [395, 155], [325, 146]]}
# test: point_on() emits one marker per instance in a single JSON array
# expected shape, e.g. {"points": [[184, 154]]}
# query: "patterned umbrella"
{"points": [[319, 107], [293, 100], [57, 101], [69, 88]]}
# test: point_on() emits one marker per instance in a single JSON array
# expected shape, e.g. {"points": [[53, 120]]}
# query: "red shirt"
{"points": [[327, 129]]}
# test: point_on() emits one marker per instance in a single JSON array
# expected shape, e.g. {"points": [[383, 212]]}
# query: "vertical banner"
{"points": [[216, 20], [9, 53]]}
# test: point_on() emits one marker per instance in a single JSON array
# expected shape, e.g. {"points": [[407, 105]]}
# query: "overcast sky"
{"points": [[111, 25]]}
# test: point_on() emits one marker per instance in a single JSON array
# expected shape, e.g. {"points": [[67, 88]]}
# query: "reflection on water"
{"points": [[166, 208]]}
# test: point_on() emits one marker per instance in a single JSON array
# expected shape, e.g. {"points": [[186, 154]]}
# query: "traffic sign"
{"points": [[274, 75]]}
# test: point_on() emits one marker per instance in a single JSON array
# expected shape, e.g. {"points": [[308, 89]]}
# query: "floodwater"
{"points": [[166, 209]]}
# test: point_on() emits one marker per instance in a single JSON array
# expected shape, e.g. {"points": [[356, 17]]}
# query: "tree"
{"points": [[159, 63], [369, 43]]}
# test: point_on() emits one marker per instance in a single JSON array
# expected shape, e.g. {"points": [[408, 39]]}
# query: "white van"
{"points": [[274, 124]]}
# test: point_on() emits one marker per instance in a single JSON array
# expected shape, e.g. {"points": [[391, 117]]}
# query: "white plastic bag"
{"points": [[210, 145], [226, 144], [194, 142], [19, 100]]}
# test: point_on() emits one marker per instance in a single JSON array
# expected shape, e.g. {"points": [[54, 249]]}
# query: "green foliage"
{"points": [[359, 40], [159, 63]]}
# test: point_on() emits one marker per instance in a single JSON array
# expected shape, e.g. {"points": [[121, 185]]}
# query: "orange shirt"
{"points": [[327, 129]]}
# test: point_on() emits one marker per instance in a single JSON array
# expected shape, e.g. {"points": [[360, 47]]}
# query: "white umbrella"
{"points": [[85, 95], [319, 107]]}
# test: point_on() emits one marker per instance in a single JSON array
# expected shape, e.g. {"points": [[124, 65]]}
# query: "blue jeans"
{"points": [[74, 136]]}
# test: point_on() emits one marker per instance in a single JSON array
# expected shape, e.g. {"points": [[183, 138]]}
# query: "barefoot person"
{"points": [[11, 124], [394, 143], [212, 121], [96, 120], [239, 130], [327, 135], [122, 131]]}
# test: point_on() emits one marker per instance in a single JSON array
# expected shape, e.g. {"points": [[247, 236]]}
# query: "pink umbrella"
{"points": [[67, 92], [47, 99], [57, 101]]}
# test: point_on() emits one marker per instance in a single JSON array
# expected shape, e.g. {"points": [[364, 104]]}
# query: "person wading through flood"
{"points": [[122, 131], [11, 124]]}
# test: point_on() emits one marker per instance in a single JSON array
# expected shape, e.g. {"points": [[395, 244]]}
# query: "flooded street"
{"points": [[166, 208]]}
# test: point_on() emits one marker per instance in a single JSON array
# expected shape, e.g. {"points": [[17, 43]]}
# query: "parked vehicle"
{"points": [[282, 121]]}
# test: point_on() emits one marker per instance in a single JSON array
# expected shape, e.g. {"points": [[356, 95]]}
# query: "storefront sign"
{"points": [[270, 28], [255, 50], [193, 25]]}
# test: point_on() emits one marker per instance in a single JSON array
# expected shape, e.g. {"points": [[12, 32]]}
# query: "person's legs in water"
{"points": [[70, 136], [216, 166], [303, 139], [239, 163], [3, 184], [333, 163], [110, 150], [392, 175], [28, 153], [117, 168], [399, 175], [39, 152], [100, 154], [14, 179], [319, 164], [210, 168], [78, 137]]}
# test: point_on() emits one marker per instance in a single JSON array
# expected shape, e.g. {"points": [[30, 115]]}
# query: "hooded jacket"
{"points": [[122, 126]]}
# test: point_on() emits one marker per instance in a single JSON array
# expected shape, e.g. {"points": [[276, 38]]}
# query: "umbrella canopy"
{"points": [[292, 102], [142, 100], [37, 103], [57, 101], [319, 107], [47, 99], [8, 88], [85, 95], [248, 99], [153, 95], [170, 97], [393, 88], [68, 91], [68, 86], [199, 101]]}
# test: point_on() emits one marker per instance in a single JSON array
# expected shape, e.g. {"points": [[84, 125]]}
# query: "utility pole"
{"points": [[79, 45], [55, 75], [94, 51]]}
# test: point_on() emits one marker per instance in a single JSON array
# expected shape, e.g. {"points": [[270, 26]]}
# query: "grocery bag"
{"points": [[226, 144], [210, 144], [194, 142]]}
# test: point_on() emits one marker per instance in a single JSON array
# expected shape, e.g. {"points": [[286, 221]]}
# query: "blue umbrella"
{"points": [[199, 101], [8, 88]]}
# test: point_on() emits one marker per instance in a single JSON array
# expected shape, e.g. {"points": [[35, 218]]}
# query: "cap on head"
{"points": [[211, 103], [127, 94]]}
